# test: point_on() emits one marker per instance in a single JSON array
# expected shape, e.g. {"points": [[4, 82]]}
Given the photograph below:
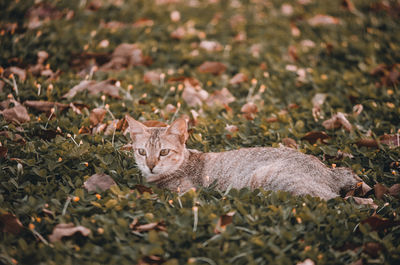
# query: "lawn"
{"points": [[318, 76]]}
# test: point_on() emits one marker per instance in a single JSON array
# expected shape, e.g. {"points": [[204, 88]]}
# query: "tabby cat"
{"points": [[163, 159]]}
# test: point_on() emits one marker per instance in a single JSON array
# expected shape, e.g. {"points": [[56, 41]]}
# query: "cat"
{"points": [[161, 155]]}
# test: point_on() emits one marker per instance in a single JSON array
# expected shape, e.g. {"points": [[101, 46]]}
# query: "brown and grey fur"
{"points": [[270, 168]]}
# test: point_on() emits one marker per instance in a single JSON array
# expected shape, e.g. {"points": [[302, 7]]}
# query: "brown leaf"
{"points": [[99, 181], [313, 136], [220, 97], [106, 87], [223, 221], [17, 114], [289, 142], [192, 81], [194, 96], [380, 190], [392, 140], [143, 22], [367, 142], [321, 20], [395, 190], [142, 189], [21, 73], [249, 110], [3, 151], [363, 201], [45, 106], [338, 120], [378, 223], [292, 50], [215, 68], [372, 249], [9, 223], [152, 77], [62, 230], [126, 55], [238, 78], [147, 227], [348, 5], [210, 46], [97, 116]]}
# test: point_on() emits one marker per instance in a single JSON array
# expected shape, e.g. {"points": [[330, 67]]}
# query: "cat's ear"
{"points": [[179, 128], [135, 127]]}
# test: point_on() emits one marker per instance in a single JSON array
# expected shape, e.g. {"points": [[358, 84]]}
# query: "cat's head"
{"points": [[158, 150]]}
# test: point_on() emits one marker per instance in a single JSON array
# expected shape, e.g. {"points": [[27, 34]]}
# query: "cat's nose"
{"points": [[151, 166]]}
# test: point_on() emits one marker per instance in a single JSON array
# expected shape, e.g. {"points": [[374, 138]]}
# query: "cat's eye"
{"points": [[164, 152], [142, 152]]}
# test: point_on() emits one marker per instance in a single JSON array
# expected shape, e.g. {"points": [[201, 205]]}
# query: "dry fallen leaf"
{"points": [[97, 116], [378, 223], [210, 46], [249, 110], [106, 87], [220, 97], [147, 227], [289, 142], [99, 181], [3, 151], [126, 55], [215, 68], [223, 221], [320, 19], [238, 78], [21, 73], [381, 190], [338, 120], [313, 136], [9, 223], [45, 106], [194, 96], [363, 201], [152, 77], [62, 230], [17, 114]]}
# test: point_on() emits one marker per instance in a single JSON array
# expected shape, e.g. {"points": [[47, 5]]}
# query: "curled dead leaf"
{"points": [[62, 230], [194, 96], [238, 78], [45, 106], [136, 227], [9, 223], [249, 110], [106, 87], [363, 201], [21, 73], [17, 114], [336, 121], [220, 97], [3, 151], [215, 68], [223, 221], [313, 137], [289, 142], [378, 223], [100, 182], [97, 116], [210, 46], [142, 189], [381, 190], [126, 55], [152, 77]]}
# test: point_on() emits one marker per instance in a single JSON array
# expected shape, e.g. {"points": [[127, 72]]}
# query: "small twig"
{"points": [[66, 206], [36, 233]]}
